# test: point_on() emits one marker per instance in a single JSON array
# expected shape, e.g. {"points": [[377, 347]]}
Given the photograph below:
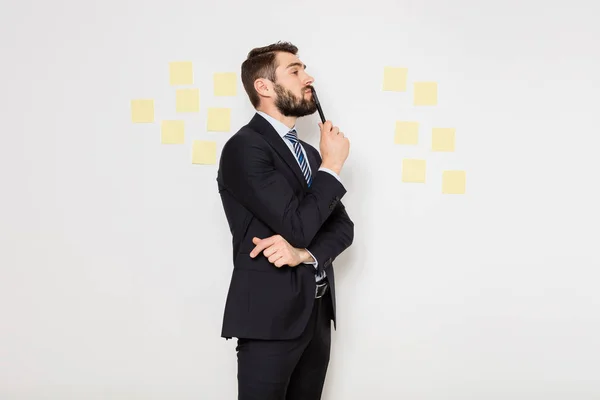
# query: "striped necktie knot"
{"points": [[292, 136]]}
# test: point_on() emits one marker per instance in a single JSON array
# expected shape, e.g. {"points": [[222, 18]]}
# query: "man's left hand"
{"points": [[279, 251]]}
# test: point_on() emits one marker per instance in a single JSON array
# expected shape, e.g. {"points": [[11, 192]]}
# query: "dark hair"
{"points": [[261, 63]]}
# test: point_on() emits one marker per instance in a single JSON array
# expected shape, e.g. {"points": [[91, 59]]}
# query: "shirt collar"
{"points": [[279, 126]]}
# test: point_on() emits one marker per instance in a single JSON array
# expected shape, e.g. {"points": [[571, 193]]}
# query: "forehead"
{"points": [[284, 60]]}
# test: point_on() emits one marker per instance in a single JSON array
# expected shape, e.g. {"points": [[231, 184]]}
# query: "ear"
{"points": [[263, 87]]}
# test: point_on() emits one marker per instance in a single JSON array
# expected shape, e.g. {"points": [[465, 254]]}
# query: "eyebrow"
{"points": [[296, 64]]}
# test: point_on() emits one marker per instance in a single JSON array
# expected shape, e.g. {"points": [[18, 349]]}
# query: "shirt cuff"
{"points": [[315, 263], [331, 172]]}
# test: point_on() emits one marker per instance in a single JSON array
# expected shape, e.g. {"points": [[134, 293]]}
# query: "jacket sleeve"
{"points": [[247, 171], [335, 236]]}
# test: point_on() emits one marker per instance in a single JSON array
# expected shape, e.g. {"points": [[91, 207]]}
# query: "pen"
{"points": [[318, 105]]}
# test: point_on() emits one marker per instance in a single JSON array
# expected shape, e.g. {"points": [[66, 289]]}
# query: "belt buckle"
{"points": [[323, 288]]}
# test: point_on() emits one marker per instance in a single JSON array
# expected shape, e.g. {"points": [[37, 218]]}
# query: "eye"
{"points": [[295, 72]]}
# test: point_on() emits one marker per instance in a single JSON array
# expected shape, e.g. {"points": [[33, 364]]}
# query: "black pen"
{"points": [[318, 105]]}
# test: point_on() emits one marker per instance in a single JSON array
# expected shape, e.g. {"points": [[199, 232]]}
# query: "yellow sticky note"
{"points": [[413, 171], [425, 93], [394, 79], [442, 139], [187, 100], [219, 119], [204, 152], [454, 182], [142, 111], [224, 84], [172, 132], [407, 132], [181, 73]]}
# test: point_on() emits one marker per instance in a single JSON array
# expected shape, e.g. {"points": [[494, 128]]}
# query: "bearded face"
{"points": [[291, 105]]}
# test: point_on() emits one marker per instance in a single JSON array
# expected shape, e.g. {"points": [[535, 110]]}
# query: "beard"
{"points": [[291, 106]]}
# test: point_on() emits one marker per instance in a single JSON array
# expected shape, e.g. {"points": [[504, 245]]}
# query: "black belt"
{"points": [[321, 289]]}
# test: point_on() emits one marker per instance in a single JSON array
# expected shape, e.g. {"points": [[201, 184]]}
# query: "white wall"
{"points": [[115, 252]]}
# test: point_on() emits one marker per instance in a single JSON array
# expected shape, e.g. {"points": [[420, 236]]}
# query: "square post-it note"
{"points": [[394, 79], [407, 132], [219, 120], [204, 152], [225, 84], [413, 171], [142, 111], [454, 182], [181, 73], [172, 132], [187, 100], [442, 139], [425, 93]]}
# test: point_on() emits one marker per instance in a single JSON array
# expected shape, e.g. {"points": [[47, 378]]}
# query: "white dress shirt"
{"points": [[282, 130]]}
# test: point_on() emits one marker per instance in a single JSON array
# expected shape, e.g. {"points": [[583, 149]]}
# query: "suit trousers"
{"points": [[288, 369]]}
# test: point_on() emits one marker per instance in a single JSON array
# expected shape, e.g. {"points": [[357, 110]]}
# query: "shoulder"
{"points": [[245, 137], [245, 146]]}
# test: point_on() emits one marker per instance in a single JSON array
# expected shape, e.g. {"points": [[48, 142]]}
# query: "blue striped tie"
{"points": [[292, 136]]}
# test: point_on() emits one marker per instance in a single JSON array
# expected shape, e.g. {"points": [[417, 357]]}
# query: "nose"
{"points": [[309, 80]]}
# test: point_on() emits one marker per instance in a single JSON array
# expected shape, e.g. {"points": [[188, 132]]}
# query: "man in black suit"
{"points": [[282, 203]]}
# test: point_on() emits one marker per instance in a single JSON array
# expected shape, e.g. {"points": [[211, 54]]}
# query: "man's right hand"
{"points": [[334, 147]]}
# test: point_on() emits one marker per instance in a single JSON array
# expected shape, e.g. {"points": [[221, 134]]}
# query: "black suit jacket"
{"points": [[264, 193]]}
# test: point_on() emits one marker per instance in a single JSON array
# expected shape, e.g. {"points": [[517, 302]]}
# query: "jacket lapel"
{"points": [[262, 126]]}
